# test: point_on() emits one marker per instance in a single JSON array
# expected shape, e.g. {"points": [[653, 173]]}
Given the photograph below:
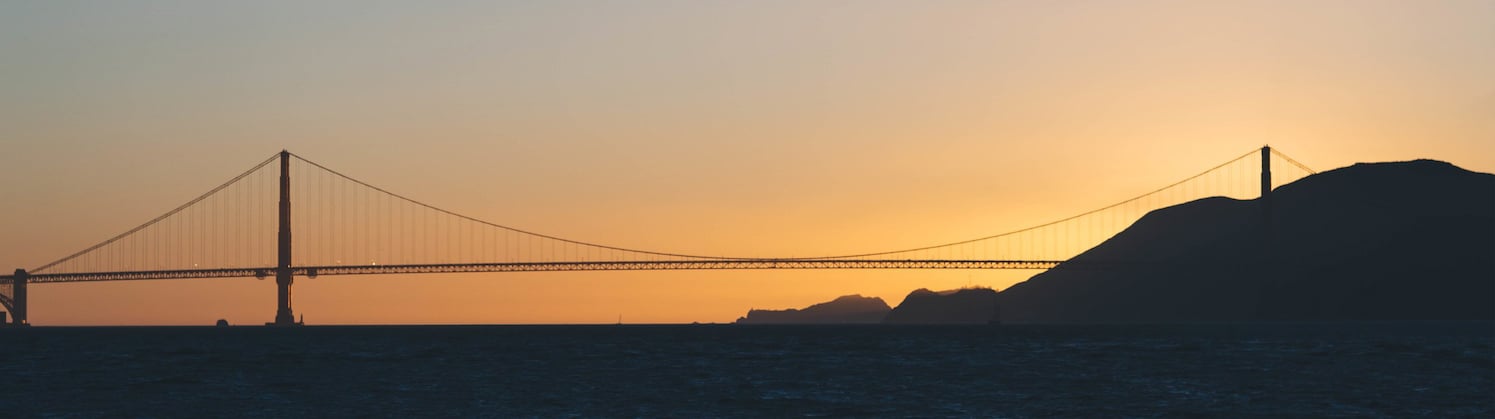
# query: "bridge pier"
{"points": [[283, 273], [283, 314], [18, 299]]}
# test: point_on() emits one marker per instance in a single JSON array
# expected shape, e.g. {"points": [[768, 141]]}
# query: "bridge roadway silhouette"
{"points": [[345, 213]]}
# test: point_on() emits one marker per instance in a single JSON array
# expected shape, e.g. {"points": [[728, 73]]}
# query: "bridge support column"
{"points": [[283, 315], [1266, 171], [1267, 280], [1266, 195], [283, 276], [1266, 180], [18, 297]]}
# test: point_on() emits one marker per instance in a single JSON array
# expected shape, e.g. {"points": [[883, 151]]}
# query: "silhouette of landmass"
{"points": [[963, 306], [843, 310], [1404, 241]]}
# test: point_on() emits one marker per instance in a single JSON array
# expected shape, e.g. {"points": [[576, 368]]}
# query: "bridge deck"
{"points": [[544, 267]]}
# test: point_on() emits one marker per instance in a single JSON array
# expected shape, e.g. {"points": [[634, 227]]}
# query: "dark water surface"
{"points": [[1402, 370]]}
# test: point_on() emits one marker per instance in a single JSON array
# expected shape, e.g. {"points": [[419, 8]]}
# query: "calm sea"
{"points": [[1378, 370]]}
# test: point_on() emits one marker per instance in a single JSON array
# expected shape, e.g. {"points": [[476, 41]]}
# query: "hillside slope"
{"points": [[1402, 241]]}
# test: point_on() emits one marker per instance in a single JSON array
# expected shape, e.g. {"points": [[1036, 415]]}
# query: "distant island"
{"points": [[848, 309], [1401, 241], [963, 306]]}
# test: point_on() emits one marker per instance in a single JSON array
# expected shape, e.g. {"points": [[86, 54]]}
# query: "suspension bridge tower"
{"points": [[1266, 186], [283, 273], [1265, 285]]}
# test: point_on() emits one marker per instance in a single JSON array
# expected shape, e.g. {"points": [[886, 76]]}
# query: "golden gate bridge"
{"points": [[290, 217]]}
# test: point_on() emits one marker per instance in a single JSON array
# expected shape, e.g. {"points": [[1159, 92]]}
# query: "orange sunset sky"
{"points": [[776, 128]]}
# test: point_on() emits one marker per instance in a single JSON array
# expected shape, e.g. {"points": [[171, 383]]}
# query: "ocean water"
{"points": [[1366, 370]]}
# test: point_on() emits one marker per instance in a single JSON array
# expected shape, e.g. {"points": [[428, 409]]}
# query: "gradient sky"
{"points": [[766, 127]]}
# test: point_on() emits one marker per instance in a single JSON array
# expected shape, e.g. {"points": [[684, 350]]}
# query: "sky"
{"points": [[708, 127]]}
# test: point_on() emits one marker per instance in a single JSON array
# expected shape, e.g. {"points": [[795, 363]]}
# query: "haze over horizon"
{"points": [[773, 128]]}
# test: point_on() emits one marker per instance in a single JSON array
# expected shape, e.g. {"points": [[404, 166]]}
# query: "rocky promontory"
{"points": [[1378, 242], [962, 306], [848, 309]]}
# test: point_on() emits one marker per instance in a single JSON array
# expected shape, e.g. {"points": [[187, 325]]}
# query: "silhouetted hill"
{"points": [[842, 310], [1398, 241], [964, 306]]}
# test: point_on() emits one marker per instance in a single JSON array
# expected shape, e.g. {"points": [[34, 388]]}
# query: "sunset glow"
{"points": [[764, 129]]}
